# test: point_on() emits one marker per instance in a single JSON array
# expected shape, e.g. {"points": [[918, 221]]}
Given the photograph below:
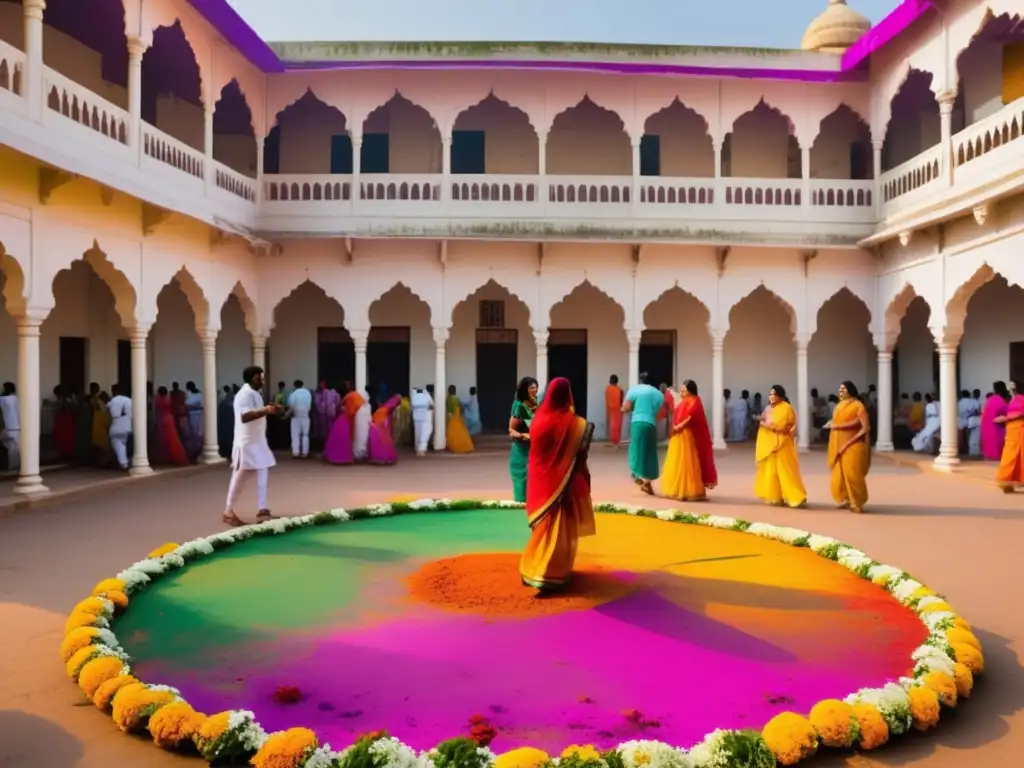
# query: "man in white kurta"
{"points": [[120, 410], [300, 403], [250, 453], [422, 419], [11, 432]]}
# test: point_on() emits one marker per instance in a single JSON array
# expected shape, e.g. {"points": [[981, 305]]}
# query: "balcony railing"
{"points": [[12, 65]]}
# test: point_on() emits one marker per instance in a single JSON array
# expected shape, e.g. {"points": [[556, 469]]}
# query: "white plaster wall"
{"points": [[830, 154], [181, 120], [759, 146], [399, 307], [461, 348], [981, 82], [759, 349], [916, 349], [842, 348], [292, 343], [995, 318], [234, 344], [174, 345]]}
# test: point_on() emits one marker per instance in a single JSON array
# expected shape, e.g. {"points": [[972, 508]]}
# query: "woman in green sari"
{"points": [[519, 430]]}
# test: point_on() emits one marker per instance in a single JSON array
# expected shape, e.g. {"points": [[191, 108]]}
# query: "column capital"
{"points": [[136, 48], [139, 333], [884, 357], [718, 338], [633, 336], [31, 317], [258, 341], [947, 348], [360, 337], [540, 337], [802, 341], [946, 98], [33, 9], [440, 337], [884, 342]]}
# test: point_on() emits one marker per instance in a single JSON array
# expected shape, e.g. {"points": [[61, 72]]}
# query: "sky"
{"points": [[753, 23]]}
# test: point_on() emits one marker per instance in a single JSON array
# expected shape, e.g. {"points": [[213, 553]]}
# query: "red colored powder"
{"points": [[489, 584]]}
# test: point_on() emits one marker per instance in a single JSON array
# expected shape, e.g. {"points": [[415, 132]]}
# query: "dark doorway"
{"points": [[1016, 361], [335, 357], [469, 152], [72, 351], [124, 366], [375, 156], [497, 366], [657, 357], [650, 155], [567, 357], [861, 160], [387, 358], [341, 154]]}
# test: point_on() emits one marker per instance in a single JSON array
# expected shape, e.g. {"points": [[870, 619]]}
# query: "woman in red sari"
{"points": [[690, 462], [172, 449], [558, 505]]}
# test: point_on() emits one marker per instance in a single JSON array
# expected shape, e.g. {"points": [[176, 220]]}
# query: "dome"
{"points": [[835, 30]]}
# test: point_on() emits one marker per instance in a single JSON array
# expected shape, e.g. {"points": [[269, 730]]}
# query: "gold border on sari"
{"points": [[584, 434]]}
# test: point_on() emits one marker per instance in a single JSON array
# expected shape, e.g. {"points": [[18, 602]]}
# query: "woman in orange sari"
{"points": [[690, 462], [1010, 474], [613, 407], [558, 505], [849, 449], [777, 481]]}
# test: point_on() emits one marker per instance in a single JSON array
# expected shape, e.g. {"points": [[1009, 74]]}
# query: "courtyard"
{"points": [[955, 533]]}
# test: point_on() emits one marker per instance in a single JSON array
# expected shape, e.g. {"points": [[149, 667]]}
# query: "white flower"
{"points": [[653, 754], [710, 753], [322, 757], [891, 701], [879, 571], [171, 560], [936, 620], [422, 504], [376, 510], [133, 578], [667, 515], [250, 734], [112, 652], [932, 659], [717, 521], [278, 526], [819, 544], [195, 548], [107, 638], [853, 559], [391, 753], [339, 514], [166, 689], [152, 567], [904, 589]]}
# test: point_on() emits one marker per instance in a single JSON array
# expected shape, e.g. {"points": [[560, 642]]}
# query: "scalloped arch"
{"points": [[120, 286], [300, 284], [398, 285], [843, 293], [588, 99], [788, 308], [477, 285], [189, 31], [687, 295], [241, 92], [311, 94], [676, 102], [964, 35], [585, 281], [763, 102], [396, 97], [462, 109], [249, 312], [898, 305], [188, 284], [14, 283], [842, 109], [885, 108]]}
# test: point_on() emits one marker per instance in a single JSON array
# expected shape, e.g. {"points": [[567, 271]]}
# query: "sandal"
{"points": [[230, 518], [263, 515]]}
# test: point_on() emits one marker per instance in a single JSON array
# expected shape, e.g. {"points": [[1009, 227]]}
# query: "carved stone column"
{"points": [[718, 387], [140, 401], [440, 390], [211, 446], [30, 405]]}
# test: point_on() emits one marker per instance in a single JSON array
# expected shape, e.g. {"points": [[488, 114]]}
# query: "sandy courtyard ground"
{"points": [[957, 534]]}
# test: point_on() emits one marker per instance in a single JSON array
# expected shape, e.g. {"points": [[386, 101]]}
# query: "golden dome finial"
{"points": [[836, 29]]}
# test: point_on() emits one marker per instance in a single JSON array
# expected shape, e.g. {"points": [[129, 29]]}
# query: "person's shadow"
{"points": [[27, 740]]}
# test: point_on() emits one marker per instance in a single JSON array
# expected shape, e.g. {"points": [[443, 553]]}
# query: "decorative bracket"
{"points": [[49, 180], [217, 237], [721, 257], [152, 217], [442, 255], [808, 256], [541, 248], [905, 237], [981, 214], [106, 195]]}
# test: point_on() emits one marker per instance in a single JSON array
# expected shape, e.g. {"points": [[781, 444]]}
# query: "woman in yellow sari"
{"points": [[849, 449], [689, 469], [777, 481], [559, 509], [101, 428], [457, 437]]}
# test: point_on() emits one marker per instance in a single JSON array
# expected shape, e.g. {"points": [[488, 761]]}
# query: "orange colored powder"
{"points": [[489, 584]]}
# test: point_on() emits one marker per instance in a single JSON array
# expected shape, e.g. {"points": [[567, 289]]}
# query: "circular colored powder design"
{"points": [[418, 622], [488, 584]]}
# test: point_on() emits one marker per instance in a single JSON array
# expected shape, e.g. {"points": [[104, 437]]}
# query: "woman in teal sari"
{"points": [[519, 430]]}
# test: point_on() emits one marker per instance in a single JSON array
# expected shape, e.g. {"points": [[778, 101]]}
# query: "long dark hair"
{"points": [[691, 386], [1000, 389], [851, 390], [780, 392], [523, 390]]}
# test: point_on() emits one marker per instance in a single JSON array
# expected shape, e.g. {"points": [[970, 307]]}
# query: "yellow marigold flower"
{"points": [[134, 706], [924, 708], [956, 635], [174, 725], [959, 623], [524, 757], [163, 549], [79, 659], [286, 749], [80, 619], [790, 737], [583, 752], [94, 605], [105, 693], [874, 732], [964, 680], [881, 580], [96, 672], [835, 723], [920, 592], [214, 726], [76, 640], [944, 687], [970, 657], [939, 607], [109, 585], [119, 599]]}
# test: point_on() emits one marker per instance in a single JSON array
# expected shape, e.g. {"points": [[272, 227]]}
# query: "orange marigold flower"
{"points": [[97, 606], [175, 725], [214, 726], [874, 732], [924, 708], [76, 640], [943, 685], [119, 599], [109, 585], [80, 619], [134, 706], [79, 659], [957, 635], [582, 752], [969, 656], [105, 693], [163, 549], [790, 737], [97, 671], [286, 749], [964, 680], [959, 623], [835, 723]]}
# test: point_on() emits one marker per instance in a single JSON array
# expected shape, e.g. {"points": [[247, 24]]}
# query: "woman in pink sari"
{"points": [[326, 404], [993, 433], [167, 430], [381, 444], [338, 449]]}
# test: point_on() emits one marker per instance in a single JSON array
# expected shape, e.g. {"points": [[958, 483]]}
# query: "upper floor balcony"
{"points": [[174, 117]]}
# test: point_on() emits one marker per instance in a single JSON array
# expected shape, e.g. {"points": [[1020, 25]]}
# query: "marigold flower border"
{"points": [[940, 671]]}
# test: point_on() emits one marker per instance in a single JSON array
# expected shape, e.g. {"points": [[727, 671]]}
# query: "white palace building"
{"points": [[179, 199]]}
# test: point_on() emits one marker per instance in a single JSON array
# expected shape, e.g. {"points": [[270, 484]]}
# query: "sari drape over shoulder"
{"points": [[849, 469], [1010, 474], [382, 445], [777, 480], [993, 434], [613, 407], [689, 463], [558, 504], [457, 437]]}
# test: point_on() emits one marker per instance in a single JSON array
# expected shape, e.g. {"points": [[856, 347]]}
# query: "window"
{"points": [[469, 152], [650, 155], [727, 155], [376, 154], [341, 154], [492, 314]]}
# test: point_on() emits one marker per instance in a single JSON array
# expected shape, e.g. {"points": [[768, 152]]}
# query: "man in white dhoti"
{"points": [[924, 441], [739, 416], [250, 453], [422, 419], [300, 403], [11, 432], [120, 410]]}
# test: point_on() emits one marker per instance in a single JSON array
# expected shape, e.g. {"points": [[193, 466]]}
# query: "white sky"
{"points": [[755, 23]]}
